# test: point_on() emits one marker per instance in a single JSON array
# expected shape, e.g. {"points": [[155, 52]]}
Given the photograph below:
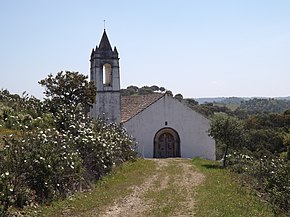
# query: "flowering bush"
{"points": [[101, 145], [47, 154], [40, 164], [240, 163], [270, 176]]}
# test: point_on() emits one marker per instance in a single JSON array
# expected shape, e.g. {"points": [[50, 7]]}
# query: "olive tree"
{"points": [[227, 130]]}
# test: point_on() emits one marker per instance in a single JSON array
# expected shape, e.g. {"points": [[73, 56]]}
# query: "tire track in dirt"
{"points": [[134, 205], [187, 182]]}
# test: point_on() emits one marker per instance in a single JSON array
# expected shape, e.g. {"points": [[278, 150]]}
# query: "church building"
{"points": [[162, 126]]}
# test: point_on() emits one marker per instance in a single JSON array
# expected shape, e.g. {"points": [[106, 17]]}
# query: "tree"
{"points": [[191, 102], [169, 92], [70, 88], [227, 130], [286, 142], [178, 97], [145, 90], [155, 88], [133, 89]]}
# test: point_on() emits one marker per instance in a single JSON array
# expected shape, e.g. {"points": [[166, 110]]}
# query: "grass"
{"points": [[218, 196], [112, 187], [221, 196]]}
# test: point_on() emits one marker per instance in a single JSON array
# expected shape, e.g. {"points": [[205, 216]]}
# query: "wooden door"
{"points": [[166, 146]]}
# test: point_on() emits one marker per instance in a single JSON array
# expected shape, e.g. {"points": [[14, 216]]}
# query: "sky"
{"points": [[199, 48]]}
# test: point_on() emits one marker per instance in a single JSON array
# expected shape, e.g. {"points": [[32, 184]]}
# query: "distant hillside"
{"points": [[233, 100], [270, 105], [283, 98]]}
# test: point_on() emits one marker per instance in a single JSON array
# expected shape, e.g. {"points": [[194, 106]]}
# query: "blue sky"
{"points": [[202, 48]]}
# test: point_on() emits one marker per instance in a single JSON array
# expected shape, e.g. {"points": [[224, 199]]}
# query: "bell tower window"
{"points": [[107, 74]]}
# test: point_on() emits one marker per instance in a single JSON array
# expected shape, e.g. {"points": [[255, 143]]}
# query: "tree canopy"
{"points": [[71, 88], [227, 130]]}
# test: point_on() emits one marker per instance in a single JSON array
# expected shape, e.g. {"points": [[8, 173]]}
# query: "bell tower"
{"points": [[104, 72]]}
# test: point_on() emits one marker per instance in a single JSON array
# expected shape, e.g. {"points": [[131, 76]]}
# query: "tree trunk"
{"points": [[225, 156]]}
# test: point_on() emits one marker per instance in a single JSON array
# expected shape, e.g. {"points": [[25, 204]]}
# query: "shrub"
{"points": [[44, 163], [50, 149], [269, 176]]}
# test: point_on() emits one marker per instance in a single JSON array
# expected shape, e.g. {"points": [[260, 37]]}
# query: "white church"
{"points": [[162, 126]]}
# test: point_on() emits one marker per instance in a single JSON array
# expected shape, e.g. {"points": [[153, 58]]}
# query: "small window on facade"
{"points": [[107, 74]]}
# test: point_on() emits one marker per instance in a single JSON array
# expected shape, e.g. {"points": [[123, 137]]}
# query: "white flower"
{"points": [[71, 166], [48, 166], [10, 189], [7, 173]]}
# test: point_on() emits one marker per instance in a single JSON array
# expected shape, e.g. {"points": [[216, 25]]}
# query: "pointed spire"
{"points": [[115, 50], [93, 51], [104, 43]]}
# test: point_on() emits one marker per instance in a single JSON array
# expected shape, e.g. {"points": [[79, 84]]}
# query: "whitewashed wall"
{"points": [[190, 125]]}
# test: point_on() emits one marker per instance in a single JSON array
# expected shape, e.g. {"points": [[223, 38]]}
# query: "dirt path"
{"points": [[169, 192]]}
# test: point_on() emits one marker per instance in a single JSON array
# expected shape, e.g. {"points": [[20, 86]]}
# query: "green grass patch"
{"points": [[112, 187], [221, 196]]}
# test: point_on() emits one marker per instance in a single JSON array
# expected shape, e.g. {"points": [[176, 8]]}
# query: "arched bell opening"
{"points": [[107, 74]]}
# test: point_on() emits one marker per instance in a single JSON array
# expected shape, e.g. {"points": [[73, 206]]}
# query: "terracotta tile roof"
{"points": [[132, 105]]}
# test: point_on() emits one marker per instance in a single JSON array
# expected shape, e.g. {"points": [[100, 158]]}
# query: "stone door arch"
{"points": [[166, 143]]}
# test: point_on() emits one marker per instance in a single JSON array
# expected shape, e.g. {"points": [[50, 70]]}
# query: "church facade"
{"points": [[162, 126]]}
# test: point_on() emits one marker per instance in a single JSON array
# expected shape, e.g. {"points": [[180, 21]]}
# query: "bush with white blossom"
{"points": [[49, 155], [270, 176]]}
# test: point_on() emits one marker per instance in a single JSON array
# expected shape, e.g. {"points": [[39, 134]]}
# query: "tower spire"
{"points": [[105, 43], [104, 25]]}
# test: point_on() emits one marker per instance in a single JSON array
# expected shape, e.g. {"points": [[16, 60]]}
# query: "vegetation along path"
{"points": [[155, 187], [163, 187]]}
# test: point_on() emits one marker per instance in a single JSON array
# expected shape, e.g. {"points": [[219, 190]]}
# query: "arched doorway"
{"points": [[166, 143]]}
